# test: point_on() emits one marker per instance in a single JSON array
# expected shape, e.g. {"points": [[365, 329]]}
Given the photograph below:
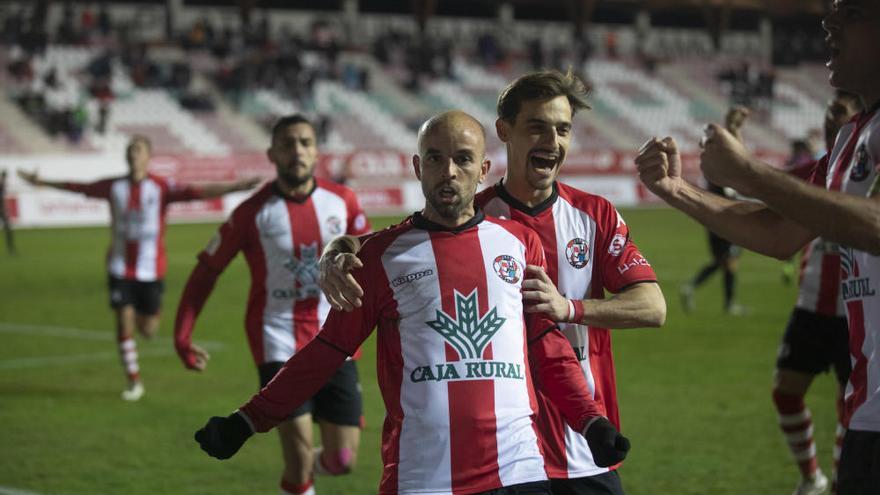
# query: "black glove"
{"points": [[222, 437], [608, 445]]}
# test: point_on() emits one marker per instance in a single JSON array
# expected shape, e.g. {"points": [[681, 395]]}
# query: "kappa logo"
{"points": [[305, 272], [576, 252], [860, 170], [507, 268], [334, 225], [411, 277], [618, 242], [466, 331]]}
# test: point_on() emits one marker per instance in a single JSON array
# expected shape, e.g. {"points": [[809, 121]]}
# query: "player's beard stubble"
{"points": [[450, 210]]}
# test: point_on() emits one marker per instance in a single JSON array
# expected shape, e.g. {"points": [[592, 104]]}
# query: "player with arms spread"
{"points": [[845, 210], [136, 259], [281, 230], [455, 348], [588, 251]]}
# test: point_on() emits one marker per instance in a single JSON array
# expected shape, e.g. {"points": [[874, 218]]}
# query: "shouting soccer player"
{"points": [[588, 250], [794, 212], [455, 347], [136, 260], [281, 230]]}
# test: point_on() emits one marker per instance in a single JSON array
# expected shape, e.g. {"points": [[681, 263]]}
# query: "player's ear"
{"points": [[484, 168], [269, 155], [417, 168], [502, 128]]}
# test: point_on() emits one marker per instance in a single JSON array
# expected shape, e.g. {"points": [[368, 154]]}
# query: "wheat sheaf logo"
{"points": [[467, 332]]}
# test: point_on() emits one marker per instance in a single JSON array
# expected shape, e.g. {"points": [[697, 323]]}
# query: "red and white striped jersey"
{"points": [[819, 290], [282, 239], [853, 168], [819, 281], [454, 356], [588, 251], [138, 211]]}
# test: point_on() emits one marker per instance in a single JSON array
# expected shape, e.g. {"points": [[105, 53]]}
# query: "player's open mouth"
{"points": [[447, 193], [543, 162]]}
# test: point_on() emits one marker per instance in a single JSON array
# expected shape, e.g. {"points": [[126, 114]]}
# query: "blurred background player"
{"points": [[816, 337], [577, 230], [454, 344], [4, 216], [136, 259], [794, 212], [282, 230], [724, 253]]}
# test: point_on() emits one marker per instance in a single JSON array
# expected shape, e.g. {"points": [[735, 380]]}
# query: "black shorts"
{"points": [[338, 401], [145, 296], [601, 484], [721, 248], [531, 488], [859, 469], [812, 343]]}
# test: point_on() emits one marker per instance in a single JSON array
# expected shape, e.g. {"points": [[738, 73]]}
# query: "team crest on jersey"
{"points": [[334, 225], [577, 252], [507, 268], [861, 169]]}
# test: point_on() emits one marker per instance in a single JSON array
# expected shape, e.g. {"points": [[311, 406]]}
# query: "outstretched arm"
{"points": [[748, 224], [847, 219], [34, 179], [219, 189], [198, 288]]}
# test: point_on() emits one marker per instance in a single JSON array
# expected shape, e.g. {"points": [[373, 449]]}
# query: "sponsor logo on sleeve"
{"points": [[633, 263], [618, 242], [360, 222], [507, 268], [577, 252], [214, 244], [860, 170]]}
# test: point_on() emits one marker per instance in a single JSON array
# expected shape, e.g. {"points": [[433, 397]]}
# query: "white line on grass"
{"points": [[78, 333], [5, 490]]}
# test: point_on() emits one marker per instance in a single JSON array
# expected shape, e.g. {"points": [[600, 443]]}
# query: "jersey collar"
{"points": [[296, 199], [516, 204], [420, 222]]}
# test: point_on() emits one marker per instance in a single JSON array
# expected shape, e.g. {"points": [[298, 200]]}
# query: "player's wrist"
{"points": [[575, 311]]}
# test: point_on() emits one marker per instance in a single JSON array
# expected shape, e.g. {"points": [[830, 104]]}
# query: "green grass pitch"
{"points": [[694, 395]]}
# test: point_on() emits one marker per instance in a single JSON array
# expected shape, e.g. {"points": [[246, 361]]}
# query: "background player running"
{"points": [[281, 230], [136, 259]]}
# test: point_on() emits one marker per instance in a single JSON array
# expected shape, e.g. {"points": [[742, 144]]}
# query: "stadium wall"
{"points": [[383, 180]]}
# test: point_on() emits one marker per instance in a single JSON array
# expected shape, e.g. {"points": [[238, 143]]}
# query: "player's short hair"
{"points": [[140, 138], [289, 120], [542, 85]]}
